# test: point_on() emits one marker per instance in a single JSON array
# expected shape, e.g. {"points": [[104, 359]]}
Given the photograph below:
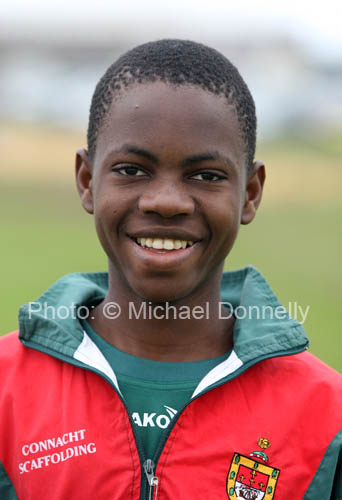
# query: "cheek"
{"points": [[106, 206], [225, 225], [105, 218], [102, 236]]}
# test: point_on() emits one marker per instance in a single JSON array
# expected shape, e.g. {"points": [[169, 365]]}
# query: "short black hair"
{"points": [[178, 62]]}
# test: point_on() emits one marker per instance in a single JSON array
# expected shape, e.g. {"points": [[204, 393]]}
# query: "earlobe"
{"points": [[83, 172], [253, 194]]}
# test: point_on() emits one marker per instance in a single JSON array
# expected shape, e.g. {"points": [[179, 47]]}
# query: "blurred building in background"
{"points": [[48, 75]]}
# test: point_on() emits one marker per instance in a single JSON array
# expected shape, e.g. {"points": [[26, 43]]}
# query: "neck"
{"points": [[189, 329]]}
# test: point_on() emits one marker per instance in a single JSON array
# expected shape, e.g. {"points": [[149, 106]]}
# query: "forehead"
{"points": [[161, 115]]}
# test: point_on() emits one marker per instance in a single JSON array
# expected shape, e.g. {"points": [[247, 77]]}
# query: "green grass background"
{"points": [[295, 241]]}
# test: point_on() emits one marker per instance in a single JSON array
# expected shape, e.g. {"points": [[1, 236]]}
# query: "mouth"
{"points": [[162, 253], [164, 244]]}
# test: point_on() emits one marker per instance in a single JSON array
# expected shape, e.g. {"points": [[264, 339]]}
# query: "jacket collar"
{"points": [[263, 328]]}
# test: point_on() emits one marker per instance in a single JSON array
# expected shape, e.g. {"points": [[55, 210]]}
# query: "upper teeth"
{"points": [[164, 243]]}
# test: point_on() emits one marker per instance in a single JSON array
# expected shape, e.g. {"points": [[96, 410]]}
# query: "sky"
{"points": [[316, 25]]}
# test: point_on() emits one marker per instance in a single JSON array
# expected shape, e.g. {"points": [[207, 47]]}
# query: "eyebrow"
{"points": [[201, 157], [132, 148], [208, 156]]}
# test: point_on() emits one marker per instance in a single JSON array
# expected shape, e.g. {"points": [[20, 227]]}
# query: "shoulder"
{"points": [[12, 354], [306, 365], [18, 363], [297, 383], [11, 362], [303, 366], [306, 378], [9, 345]]}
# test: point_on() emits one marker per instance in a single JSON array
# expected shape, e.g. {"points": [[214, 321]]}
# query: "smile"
{"points": [[163, 243]]}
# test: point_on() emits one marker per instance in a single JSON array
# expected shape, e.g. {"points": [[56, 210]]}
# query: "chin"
{"points": [[161, 294]]}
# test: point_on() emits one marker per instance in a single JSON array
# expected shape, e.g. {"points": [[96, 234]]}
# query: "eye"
{"points": [[207, 176], [130, 171]]}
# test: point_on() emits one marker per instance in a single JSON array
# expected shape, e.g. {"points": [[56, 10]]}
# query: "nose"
{"points": [[167, 199]]}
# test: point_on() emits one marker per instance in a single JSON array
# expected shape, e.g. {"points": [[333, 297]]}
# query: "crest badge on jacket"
{"points": [[250, 478]]}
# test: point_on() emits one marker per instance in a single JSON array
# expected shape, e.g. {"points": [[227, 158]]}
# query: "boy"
{"points": [[142, 383]]}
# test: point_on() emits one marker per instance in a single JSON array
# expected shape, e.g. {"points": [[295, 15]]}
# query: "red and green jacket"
{"points": [[264, 424]]}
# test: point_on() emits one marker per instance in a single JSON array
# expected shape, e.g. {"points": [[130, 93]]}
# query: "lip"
{"points": [[162, 259]]}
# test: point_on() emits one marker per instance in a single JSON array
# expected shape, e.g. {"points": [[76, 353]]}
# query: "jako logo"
{"points": [[152, 419]]}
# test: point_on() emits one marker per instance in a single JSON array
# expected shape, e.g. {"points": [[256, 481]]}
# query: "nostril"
{"points": [[166, 203]]}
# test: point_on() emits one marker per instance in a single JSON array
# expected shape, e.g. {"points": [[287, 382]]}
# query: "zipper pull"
{"points": [[151, 478]]}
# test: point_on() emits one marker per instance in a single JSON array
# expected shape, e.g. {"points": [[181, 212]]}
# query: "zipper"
{"points": [[244, 367], [153, 481], [148, 465]]}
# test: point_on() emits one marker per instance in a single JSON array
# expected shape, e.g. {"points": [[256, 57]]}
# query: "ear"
{"points": [[254, 188], [84, 179]]}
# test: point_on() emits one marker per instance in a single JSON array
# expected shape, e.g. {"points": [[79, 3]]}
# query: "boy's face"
{"points": [[169, 165]]}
